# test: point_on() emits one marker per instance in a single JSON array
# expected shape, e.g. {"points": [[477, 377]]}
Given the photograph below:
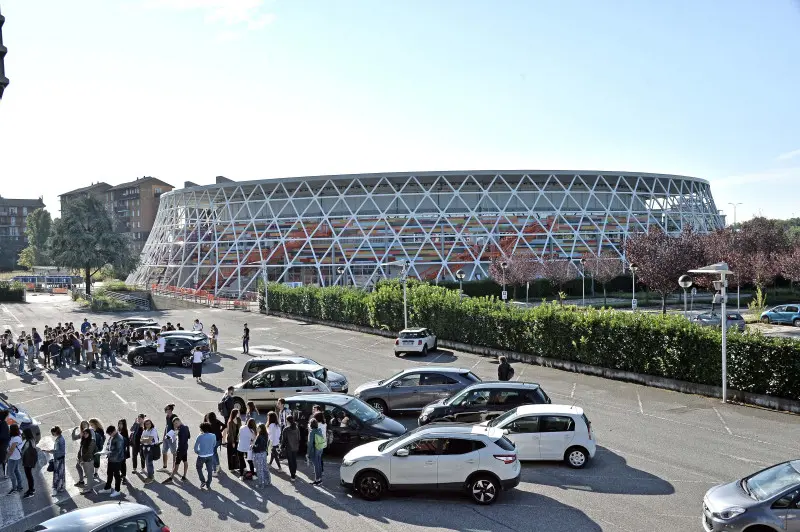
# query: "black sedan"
{"points": [[176, 351]]}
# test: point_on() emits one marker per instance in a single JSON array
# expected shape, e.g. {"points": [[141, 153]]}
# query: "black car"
{"points": [[483, 401], [177, 350], [350, 421], [133, 323]]}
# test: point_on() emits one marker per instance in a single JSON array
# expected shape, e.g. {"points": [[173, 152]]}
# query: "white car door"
{"points": [[458, 458], [419, 468], [524, 433], [555, 435]]}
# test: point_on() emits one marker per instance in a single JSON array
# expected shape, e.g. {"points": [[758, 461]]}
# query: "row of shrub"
{"points": [[102, 303], [652, 344], [12, 292]]}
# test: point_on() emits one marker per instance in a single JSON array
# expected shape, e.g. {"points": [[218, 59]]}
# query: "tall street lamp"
{"points": [[340, 271], [721, 269], [503, 266], [583, 281], [633, 269], [460, 277], [734, 212]]}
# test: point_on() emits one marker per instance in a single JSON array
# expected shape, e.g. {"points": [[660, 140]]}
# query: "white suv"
{"points": [[442, 456], [549, 432], [419, 340]]}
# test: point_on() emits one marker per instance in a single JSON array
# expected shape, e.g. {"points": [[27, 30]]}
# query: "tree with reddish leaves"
{"points": [[521, 267], [559, 272], [603, 268], [789, 263], [724, 245], [661, 259]]}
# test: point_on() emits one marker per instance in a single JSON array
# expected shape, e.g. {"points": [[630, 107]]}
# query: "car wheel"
{"points": [[186, 361], [796, 322], [378, 405], [483, 489], [239, 404], [765, 319], [436, 344], [576, 457], [425, 350], [397, 353], [370, 486], [137, 360]]}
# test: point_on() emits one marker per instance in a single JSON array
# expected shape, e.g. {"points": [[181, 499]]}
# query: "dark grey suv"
{"points": [[413, 388]]}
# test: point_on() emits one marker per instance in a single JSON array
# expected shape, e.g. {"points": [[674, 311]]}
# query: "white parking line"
{"points": [[572, 393], [36, 399], [641, 410], [166, 391], [8, 311], [722, 420], [53, 412], [65, 398]]}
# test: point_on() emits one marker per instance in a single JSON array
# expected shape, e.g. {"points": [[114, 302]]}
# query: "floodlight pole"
{"points": [[724, 293]]}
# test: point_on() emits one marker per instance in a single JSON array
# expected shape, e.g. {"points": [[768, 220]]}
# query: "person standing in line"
{"points": [[169, 436], [77, 348], [246, 340], [99, 440], [161, 349], [32, 351], [122, 430], [274, 433], [14, 453], [54, 353], [318, 414], [105, 353], [205, 446], [197, 364], [316, 442], [149, 442], [213, 334], [198, 326], [182, 436], [21, 355], [85, 326], [226, 404], [231, 438], [114, 345], [216, 428], [5, 437], [259, 450], [86, 451], [136, 442], [504, 371], [115, 452], [37, 339], [251, 412], [283, 413], [246, 436], [59, 453], [77, 435], [290, 443], [30, 457]]}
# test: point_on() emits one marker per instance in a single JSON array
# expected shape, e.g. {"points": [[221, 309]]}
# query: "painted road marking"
{"points": [[8, 311], [65, 398], [722, 420], [638, 398], [166, 391]]}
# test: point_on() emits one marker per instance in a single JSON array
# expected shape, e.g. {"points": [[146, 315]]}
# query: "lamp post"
{"points": [[266, 286], [340, 271], [722, 270], [583, 281], [406, 266], [734, 212], [685, 282], [503, 266], [460, 277], [633, 268]]}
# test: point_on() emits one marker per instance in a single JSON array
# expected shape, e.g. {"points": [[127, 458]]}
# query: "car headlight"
{"points": [[730, 513], [348, 463], [427, 411]]}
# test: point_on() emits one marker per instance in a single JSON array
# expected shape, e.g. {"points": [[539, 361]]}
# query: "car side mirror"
{"points": [[506, 432], [395, 384], [782, 503], [402, 453]]}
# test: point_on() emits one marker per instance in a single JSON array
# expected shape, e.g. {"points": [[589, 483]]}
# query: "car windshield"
{"points": [[362, 411], [320, 375], [500, 419], [390, 443], [457, 397], [393, 377], [772, 481]]}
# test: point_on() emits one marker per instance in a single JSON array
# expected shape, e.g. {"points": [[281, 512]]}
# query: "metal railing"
{"points": [[247, 302], [140, 303]]}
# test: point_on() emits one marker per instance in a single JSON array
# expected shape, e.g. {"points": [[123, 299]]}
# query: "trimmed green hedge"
{"points": [[652, 344], [12, 292]]}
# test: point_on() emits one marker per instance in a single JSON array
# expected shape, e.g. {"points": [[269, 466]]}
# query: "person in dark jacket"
{"points": [[122, 428], [504, 371], [182, 448], [136, 442], [290, 443], [217, 427], [115, 450], [30, 457]]}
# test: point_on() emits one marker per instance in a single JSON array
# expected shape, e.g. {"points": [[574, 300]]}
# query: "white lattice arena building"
{"points": [[357, 229]]}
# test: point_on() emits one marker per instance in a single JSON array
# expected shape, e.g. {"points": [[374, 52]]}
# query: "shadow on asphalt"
{"points": [[608, 473], [440, 356]]}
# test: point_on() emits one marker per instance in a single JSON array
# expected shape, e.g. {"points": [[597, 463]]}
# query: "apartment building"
{"points": [[13, 218], [98, 190], [135, 205]]}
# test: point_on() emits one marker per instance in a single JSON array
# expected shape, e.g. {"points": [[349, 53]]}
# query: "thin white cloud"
{"points": [[239, 14], [789, 155], [766, 176]]}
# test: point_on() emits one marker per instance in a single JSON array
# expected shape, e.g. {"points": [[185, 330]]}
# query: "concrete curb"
{"points": [[734, 396]]}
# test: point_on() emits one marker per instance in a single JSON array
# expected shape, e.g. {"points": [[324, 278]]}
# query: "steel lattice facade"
{"points": [[222, 238]]}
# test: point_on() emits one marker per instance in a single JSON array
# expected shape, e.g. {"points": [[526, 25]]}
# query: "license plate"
{"points": [[408, 342]]}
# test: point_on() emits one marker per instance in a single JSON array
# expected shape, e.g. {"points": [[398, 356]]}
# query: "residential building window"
{"points": [[25, 211], [12, 210]]}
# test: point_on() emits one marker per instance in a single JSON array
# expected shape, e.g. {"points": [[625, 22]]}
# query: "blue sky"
{"points": [[190, 89]]}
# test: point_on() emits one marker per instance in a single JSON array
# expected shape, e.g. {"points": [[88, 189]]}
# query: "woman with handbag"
{"points": [[259, 449], [151, 449], [274, 432], [290, 444], [86, 453], [57, 463], [122, 429], [231, 438], [247, 435], [30, 457]]}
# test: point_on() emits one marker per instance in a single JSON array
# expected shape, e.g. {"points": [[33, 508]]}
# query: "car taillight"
{"points": [[165, 528], [506, 458], [419, 342], [397, 342]]}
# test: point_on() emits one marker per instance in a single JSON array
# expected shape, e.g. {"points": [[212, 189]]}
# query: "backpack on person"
{"points": [[319, 442], [510, 372]]}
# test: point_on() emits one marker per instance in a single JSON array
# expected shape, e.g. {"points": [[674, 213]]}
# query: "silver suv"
{"points": [[765, 501], [413, 388], [265, 388], [335, 381]]}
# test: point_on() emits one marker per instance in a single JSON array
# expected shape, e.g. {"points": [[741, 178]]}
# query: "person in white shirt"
{"points": [[197, 364], [149, 440], [197, 326], [161, 349], [247, 435], [274, 434]]}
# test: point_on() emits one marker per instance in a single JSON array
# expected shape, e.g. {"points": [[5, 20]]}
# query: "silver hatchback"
{"points": [[413, 388], [766, 501], [712, 319]]}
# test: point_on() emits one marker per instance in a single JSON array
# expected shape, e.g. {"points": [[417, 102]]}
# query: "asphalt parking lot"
{"points": [[659, 451]]}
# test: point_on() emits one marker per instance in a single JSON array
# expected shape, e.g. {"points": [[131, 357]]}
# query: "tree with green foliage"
{"points": [[38, 226], [84, 239]]}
